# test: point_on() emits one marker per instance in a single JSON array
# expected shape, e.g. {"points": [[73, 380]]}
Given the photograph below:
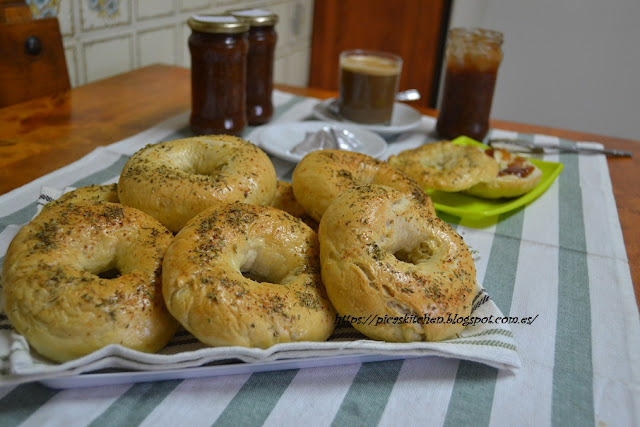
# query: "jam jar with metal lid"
{"points": [[260, 62], [473, 57], [219, 45]]}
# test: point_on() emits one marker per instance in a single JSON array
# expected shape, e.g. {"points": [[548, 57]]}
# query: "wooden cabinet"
{"points": [[413, 29], [33, 62]]}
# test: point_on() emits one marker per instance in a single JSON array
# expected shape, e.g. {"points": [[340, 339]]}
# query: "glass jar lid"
{"points": [[217, 24], [255, 17], [476, 35]]}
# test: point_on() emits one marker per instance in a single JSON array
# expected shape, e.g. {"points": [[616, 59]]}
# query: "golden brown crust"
{"points": [[247, 275], [385, 256], [446, 166], [174, 181], [90, 193], [517, 176], [285, 200], [53, 293], [323, 175]]}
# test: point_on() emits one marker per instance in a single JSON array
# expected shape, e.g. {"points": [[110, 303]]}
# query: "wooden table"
{"points": [[40, 136]]}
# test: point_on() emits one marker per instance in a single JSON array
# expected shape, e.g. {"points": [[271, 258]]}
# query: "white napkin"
{"points": [[327, 138]]}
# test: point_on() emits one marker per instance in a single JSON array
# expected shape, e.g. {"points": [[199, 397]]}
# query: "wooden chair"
{"points": [[32, 61]]}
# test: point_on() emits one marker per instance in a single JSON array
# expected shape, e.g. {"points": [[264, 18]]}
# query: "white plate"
{"points": [[404, 118], [279, 139]]}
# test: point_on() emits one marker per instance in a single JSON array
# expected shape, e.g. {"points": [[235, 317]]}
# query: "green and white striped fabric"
{"points": [[561, 260]]}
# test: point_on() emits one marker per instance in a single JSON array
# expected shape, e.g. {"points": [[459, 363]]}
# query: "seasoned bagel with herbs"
{"points": [[81, 276], [323, 175], [90, 193], [446, 166], [247, 275], [174, 181], [285, 200], [517, 176], [385, 256]]}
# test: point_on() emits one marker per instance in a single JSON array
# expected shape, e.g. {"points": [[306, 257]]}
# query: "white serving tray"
{"points": [[184, 357], [125, 377]]}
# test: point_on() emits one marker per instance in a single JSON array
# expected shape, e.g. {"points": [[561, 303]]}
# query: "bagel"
{"points": [[384, 256], [247, 275], [324, 174], [90, 193], [517, 176], [446, 166], [174, 181], [82, 276], [285, 200]]}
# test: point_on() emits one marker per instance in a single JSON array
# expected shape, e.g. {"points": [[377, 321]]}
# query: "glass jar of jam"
{"points": [[262, 46], [473, 57], [219, 46]]}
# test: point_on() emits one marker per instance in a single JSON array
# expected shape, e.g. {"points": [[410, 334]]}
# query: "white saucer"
{"points": [[279, 139], [404, 118]]}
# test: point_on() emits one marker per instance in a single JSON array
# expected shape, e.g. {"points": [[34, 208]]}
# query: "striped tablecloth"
{"points": [[561, 260]]}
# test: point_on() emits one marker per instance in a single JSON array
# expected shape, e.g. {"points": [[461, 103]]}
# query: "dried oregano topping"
{"points": [[112, 213], [238, 216], [310, 300], [46, 235]]}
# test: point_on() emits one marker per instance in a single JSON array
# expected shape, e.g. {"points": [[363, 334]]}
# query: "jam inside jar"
{"points": [[260, 62], [473, 58], [219, 46]]}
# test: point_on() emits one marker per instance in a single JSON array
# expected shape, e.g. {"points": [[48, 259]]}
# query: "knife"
{"points": [[523, 146]]}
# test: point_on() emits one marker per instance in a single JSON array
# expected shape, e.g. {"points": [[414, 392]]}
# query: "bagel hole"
{"points": [[403, 255], [256, 277], [207, 167], [111, 273], [262, 265], [422, 252]]}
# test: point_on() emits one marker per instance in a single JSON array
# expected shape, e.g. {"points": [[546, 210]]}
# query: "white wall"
{"points": [[572, 64], [106, 38]]}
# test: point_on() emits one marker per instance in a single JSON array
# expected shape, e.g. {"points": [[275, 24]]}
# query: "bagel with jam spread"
{"points": [[517, 176]]}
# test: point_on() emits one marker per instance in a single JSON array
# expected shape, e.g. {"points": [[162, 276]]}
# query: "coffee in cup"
{"points": [[368, 86]]}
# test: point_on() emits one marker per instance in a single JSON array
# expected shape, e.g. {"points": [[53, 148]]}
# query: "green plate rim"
{"points": [[484, 208]]}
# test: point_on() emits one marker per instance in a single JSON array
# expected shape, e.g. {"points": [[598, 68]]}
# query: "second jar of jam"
{"points": [[472, 57], [219, 46], [260, 62]]}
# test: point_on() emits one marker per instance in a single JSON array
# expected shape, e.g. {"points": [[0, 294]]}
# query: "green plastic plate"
{"points": [[466, 206]]}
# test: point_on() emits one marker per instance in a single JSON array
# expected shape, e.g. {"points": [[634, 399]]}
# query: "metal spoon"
{"points": [[408, 95]]}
